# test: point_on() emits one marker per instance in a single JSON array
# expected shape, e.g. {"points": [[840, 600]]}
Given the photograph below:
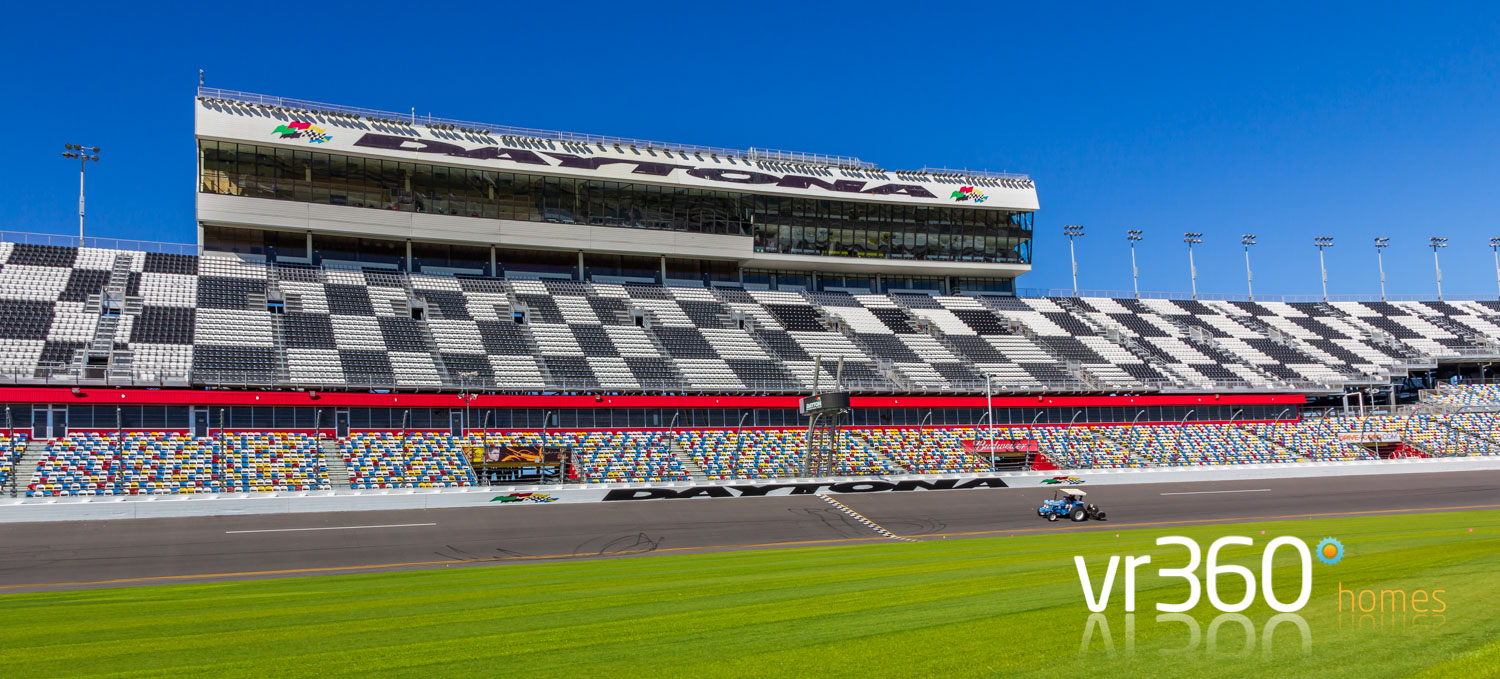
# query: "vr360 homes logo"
{"points": [[301, 130], [1213, 572]]}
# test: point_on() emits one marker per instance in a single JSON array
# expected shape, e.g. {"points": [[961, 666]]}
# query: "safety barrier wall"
{"points": [[103, 508]]}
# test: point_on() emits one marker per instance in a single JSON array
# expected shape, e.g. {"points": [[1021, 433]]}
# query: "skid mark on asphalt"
{"points": [[860, 518]]}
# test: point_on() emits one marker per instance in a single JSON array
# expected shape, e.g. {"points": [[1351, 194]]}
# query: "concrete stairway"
{"points": [[338, 474], [694, 470], [25, 468]]}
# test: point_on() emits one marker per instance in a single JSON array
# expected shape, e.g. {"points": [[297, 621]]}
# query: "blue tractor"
{"points": [[1068, 503]]}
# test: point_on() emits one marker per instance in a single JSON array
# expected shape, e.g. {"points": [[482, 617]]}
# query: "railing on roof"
{"points": [[100, 243], [554, 135], [973, 173], [1240, 297]]}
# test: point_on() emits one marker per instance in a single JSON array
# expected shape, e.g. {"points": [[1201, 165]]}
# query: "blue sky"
{"points": [[1350, 121]]}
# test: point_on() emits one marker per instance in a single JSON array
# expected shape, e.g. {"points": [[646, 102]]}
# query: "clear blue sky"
{"points": [[1287, 121]]}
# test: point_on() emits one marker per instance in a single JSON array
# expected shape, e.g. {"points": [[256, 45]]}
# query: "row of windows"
{"points": [[779, 224], [179, 417], [275, 245]]}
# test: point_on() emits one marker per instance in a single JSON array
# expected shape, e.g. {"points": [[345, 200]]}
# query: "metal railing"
{"points": [[1240, 297], [61, 240], [941, 171], [303, 105]]}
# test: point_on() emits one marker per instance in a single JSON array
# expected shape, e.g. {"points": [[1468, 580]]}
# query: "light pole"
{"points": [[1073, 231], [84, 155], [1181, 426], [739, 441], [1248, 240], [468, 398], [1133, 236], [1436, 243], [1380, 245], [1321, 243], [989, 408], [1495, 247], [1190, 238]]}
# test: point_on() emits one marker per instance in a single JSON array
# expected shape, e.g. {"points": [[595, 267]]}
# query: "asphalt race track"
{"points": [[69, 555]]}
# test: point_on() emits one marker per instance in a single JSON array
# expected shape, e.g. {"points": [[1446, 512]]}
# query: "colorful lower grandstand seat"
{"points": [[603, 456], [272, 461], [1199, 444], [412, 460], [11, 447], [931, 451], [1080, 447], [751, 454], [173, 463]]}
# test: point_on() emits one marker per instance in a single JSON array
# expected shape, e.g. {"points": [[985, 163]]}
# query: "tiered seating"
{"points": [[933, 451], [165, 463], [215, 321], [234, 338], [1080, 447], [139, 463], [11, 447], [273, 461], [1198, 444], [1467, 395], [415, 460], [1482, 427], [620, 456], [1315, 440], [982, 337], [763, 453]]}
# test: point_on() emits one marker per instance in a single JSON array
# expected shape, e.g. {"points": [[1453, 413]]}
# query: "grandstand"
{"points": [[375, 296]]}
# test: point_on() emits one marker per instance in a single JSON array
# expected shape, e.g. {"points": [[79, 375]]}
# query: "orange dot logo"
{"points": [[1330, 551]]}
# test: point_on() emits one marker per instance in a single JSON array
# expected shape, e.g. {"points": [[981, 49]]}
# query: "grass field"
{"points": [[982, 607]]}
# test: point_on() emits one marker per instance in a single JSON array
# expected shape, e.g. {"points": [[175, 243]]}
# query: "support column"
{"points": [[580, 265], [494, 263], [408, 255]]}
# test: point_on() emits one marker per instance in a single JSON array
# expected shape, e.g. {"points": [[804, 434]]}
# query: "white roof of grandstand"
{"points": [[752, 153]]}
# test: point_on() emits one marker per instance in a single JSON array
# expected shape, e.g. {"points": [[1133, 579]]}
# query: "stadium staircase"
{"points": [[889, 461], [694, 470], [445, 375], [338, 474], [1107, 374], [25, 469]]}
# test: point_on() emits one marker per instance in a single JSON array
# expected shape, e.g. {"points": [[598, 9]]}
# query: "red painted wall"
{"points": [[102, 396]]}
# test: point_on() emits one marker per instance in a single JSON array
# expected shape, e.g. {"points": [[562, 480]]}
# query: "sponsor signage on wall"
{"points": [[783, 489], [1006, 447], [1369, 437], [643, 165], [823, 403]]}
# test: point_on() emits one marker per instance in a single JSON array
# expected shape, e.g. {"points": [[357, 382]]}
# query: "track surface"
{"points": [[70, 555]]}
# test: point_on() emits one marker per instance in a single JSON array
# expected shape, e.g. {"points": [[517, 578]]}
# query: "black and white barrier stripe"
{"points": [[860, 518]]}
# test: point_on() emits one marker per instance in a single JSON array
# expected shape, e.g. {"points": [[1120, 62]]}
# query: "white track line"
{"points": [[1211, 492], [290, 530]]}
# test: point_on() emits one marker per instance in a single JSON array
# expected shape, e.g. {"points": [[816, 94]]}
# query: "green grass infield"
{"points": [[999, 606]]}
